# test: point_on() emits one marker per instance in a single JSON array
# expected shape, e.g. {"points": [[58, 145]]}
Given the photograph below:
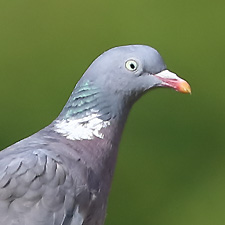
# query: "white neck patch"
{"points": [[80, 129]]}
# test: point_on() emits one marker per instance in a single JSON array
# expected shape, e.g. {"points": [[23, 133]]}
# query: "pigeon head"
{"points": [[110, 86], [127, 72]]}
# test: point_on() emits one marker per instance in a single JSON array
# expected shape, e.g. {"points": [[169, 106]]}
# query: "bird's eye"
{"points": [[131, 65]]}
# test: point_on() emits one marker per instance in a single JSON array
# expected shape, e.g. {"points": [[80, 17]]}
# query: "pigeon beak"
{"points": [[170, 79]]}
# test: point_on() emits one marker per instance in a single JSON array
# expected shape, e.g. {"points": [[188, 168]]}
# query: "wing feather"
{"points": [[34, 183]]}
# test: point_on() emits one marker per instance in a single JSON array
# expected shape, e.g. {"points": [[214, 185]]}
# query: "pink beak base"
{"points": [[171, 80]]}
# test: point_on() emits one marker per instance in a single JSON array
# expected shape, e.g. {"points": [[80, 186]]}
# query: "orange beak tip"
{"points": [[184, 87]]}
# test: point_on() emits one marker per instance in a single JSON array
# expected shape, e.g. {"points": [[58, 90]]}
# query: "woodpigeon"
{"points": [[62, 174]]}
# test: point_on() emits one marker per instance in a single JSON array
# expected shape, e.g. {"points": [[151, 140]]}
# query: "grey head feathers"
{"points": [[110, 70]]}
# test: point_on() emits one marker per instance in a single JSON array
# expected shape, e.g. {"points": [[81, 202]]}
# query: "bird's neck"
{"points": [[89, 113]]}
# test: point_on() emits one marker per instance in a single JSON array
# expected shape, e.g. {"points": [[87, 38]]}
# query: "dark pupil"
{"points": [[132, 66]]}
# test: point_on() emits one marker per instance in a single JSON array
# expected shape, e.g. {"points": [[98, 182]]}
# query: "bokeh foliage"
{"points": [[171, 166]]}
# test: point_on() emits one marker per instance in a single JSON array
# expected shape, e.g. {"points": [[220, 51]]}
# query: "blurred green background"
{"points": [[171, 166]]}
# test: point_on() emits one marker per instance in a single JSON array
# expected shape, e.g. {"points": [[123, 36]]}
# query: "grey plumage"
{"points": [[62, 174]]}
